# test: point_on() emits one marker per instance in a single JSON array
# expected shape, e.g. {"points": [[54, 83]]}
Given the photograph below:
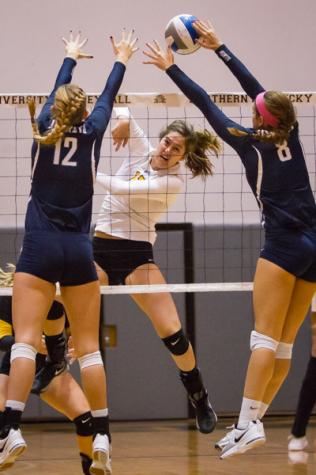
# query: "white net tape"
{"points": [[173, 288]]}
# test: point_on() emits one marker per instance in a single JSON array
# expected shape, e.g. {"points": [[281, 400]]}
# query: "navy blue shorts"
{"points": [[294, 251], [62, 257]]}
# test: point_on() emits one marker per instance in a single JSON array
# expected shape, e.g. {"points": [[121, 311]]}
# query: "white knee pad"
{"points": [[91, 359], [258, 340], [22, 350], [284, 351]]}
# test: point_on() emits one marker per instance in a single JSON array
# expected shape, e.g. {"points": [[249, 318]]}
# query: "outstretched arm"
{"points": [[217, 119], [153, 190], [73, 48], [208, 39], [123, 51]]}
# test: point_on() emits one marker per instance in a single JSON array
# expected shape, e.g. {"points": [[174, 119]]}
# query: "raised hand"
{"points": [[73, 47], [124, 48], [121, 133], [163, 59], [208, 38]]}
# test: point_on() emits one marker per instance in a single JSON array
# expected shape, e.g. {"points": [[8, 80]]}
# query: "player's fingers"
{"points": [[85, 56], [150, 55], [83, 42], [130, 35], [113, 41], [152, 48], [157, 45], [118, 144], [199, 27]]}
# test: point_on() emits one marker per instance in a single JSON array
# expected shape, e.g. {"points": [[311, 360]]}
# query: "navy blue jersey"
{"points": [[63, 174], [277, 174]]}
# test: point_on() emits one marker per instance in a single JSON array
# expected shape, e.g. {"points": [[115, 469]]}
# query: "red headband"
{"points": [[268, 118]]}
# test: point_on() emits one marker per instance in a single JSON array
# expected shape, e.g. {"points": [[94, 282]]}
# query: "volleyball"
{"points": [[181, 34]]}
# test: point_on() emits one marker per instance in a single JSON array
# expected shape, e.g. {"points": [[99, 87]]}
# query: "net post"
{"points": [[188, 254]]}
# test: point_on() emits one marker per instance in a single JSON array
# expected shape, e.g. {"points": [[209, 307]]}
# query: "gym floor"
{"points": [[166, 448]]}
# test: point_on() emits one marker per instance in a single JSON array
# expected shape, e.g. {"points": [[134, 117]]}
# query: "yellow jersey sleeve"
{"points": [[5, 329]]}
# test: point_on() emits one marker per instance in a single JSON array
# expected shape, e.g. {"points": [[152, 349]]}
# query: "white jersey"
{"points": [[136, 196]]}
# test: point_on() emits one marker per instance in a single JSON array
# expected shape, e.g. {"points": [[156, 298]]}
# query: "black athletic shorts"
{"points": [[120, 257]]}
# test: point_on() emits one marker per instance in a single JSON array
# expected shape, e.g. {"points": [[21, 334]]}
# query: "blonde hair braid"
{"points": [[68, 109]]}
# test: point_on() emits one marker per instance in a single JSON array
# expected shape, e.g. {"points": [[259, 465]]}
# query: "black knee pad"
{"points": [[177, 343], [84, 424], [56, 347], [56, 311]]}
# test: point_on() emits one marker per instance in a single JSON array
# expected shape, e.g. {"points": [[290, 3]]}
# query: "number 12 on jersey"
{"points": [[72, 144]]}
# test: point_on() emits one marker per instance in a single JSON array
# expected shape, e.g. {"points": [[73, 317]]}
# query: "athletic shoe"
{"points": [[242, 440], [298, 457], [221, 444], [224, 440], [11, 447], [101, 458], [297, 443], [205, 416], [46, 374]]}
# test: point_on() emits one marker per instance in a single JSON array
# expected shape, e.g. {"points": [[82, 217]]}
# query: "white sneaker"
{"points": [[242, 440], [10, 448], [101, 458], [297, 443], [298, 457], [224, 440]]}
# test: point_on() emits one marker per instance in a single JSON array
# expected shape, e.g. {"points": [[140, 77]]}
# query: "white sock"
{"points": [[15, 405], [100, 412], [248, 412], [262, 410]]}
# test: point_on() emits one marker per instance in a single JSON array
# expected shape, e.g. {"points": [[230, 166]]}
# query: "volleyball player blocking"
{"points": [[285, 278], [57, 246]]}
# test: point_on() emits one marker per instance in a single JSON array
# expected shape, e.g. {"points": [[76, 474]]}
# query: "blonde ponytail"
{"points": [[6, 277]]}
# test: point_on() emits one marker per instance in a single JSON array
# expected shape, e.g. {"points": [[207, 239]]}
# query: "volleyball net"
{"points": [[210, 236]]}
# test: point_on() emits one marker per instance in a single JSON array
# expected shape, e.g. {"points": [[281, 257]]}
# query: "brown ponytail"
{"points": [[280, 106], [68, 109], [198, 146]]}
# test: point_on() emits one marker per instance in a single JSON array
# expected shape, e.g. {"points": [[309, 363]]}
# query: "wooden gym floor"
{"points": [[165, 448]]}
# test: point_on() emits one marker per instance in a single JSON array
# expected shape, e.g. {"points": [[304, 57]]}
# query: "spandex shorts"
{"points": [[295, 252], [62, 257], [120, 257]]}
